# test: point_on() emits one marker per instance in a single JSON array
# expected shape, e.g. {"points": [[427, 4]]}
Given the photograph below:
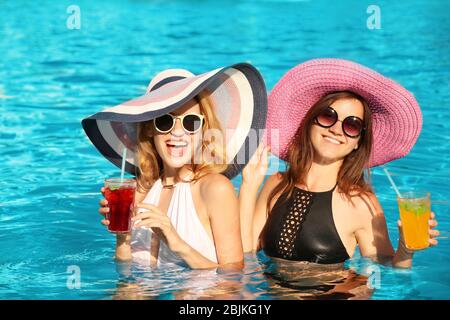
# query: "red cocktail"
{"points": [[120, 195]]}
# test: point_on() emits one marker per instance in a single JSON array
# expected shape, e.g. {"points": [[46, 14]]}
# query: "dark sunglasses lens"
{"points": [[327, 117], [164, 123], [192, 123], [352, 126]]}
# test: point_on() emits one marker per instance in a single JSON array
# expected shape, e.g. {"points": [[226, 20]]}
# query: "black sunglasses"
{"points": [[191, 122], [351, 126]]}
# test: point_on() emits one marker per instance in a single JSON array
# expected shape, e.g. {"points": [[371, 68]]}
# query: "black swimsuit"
{"points": [[302, 229]]}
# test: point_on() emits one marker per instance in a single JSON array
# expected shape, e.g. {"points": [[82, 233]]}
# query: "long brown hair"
{"points": [[351, 180], [150, 165]]}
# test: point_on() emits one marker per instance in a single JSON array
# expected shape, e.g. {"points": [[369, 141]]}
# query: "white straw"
{"points": [[124, 156], [391, 181]]}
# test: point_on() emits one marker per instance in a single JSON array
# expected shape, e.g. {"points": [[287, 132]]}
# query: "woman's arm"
{"points": [[223, 211], [123, 247], [256, 219], [248, 196], [373, 236], [252, 178]]}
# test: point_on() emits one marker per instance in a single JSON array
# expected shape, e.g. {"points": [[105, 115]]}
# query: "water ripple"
{"points": [[51, 174]]}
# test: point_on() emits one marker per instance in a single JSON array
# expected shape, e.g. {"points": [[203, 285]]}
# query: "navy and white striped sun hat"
{"points": [[238, 94]]}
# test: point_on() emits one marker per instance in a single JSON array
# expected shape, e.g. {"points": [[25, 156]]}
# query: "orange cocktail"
{"points": [[414, 213]]}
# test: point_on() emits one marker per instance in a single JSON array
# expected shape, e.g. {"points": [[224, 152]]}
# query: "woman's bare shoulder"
{"points": [[214, 183], [365, 204], [218, 195]]}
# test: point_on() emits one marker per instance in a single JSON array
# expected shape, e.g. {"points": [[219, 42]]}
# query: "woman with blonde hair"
{"points": [[184, 139]]}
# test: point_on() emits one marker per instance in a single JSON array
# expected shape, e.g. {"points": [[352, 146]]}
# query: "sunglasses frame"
{"points": [[174, 119], [363, 128]]}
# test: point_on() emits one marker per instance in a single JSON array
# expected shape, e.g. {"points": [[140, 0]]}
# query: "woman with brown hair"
{"points": [[334, 119]]}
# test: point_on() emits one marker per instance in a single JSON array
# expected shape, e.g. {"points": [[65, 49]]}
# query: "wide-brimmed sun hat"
{"points": [[396, 115], [239, 99]]}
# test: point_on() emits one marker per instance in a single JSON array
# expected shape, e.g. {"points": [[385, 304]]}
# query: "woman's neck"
{"points": [[322, 176], [172, 175]]}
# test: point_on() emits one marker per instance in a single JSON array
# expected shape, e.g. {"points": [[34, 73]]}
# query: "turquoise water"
{"points": [[51, 77]]}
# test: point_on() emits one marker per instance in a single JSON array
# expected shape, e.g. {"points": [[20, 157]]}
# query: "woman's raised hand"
{"points": [[256, 169]]}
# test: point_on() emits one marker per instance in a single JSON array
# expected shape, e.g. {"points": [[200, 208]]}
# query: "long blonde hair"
{"points": [[150, 165]]}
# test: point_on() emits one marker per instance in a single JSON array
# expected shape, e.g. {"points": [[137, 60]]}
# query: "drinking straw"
{"points": [[391, 181], [124, 155]]}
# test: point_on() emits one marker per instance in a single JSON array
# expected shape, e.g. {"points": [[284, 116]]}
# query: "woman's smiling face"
{"points": [[177, 147], [331, 144]]}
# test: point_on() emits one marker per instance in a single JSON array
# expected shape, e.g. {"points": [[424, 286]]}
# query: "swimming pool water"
{"points": [[51, 77]]}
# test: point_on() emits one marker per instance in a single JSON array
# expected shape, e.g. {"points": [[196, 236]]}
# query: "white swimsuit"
{"points": [[185, 221]]}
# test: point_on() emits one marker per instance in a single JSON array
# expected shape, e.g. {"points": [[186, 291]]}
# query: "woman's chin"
{"points": [[176, 162], [328, 157]]}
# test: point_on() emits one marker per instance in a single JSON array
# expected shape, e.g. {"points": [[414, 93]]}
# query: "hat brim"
{"points": [[396, 115], [238, 93]]}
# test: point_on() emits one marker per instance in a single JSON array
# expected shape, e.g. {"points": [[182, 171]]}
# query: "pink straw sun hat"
{"points": [[396, 116]]}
